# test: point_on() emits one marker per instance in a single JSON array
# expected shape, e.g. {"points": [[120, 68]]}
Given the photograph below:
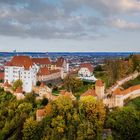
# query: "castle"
{"points": [[114, 99], [29, 70]]}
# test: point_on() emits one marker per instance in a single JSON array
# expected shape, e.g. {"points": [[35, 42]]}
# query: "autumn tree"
{"points": [[136, 62], [17, 83], [92, 112], [117, 69], [72, 83], [31, 130], [125, 123]]}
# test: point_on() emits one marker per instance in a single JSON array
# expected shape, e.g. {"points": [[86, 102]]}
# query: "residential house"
{"points": [[86, 70]]}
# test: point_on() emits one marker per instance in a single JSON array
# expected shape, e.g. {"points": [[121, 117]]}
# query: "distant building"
{"points": [[42, 62], [86, 70]]}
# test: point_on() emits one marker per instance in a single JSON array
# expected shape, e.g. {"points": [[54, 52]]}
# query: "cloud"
{"points": [[122, 24], [70, 19], [121, 5]]}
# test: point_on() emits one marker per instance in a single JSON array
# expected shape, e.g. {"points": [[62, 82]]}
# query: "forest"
{"points": [[85, 119]]}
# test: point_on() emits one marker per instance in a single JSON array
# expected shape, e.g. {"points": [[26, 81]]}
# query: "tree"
{"points": [[25, 108], [17, 83], [45, 101], [38, 83], [92, 111], [72, 83], [125, 123], [30, 97], [31, 130], [117, 69], [136, 62]]}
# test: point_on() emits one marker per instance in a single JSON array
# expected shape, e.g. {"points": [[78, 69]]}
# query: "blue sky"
{"points": [[70, 25]]}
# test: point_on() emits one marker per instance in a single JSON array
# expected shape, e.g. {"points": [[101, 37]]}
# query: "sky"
{"points": [[70, 25]]}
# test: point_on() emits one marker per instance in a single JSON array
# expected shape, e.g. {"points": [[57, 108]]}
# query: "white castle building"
{"points": [[27, 69], [21, 67]]}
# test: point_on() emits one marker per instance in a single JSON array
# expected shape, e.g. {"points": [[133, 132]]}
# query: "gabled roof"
{"points": [[40, 113], [45, 71], [42, 84], [60, 61], [21, 61], [67, 94], [99, 83], [19, 90], [90, 92], [6, 84], [88, 66], [41, 61]]}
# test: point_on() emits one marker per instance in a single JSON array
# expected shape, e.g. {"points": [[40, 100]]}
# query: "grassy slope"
{"points": [[134, 103], [136, 81]]}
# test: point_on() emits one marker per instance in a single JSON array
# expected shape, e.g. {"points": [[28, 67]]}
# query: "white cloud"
{"points": [[123, 24], [123, 5]]}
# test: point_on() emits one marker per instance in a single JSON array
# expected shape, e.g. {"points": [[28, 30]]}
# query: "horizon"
{"points": [[127, 52]]}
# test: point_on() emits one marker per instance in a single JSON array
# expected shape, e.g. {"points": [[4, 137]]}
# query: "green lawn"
{"points": [[136, 81], [134, 103], [55, 92]]}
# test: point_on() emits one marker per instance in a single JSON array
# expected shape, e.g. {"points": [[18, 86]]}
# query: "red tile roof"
{"points": [[88, 66], [41, 61], [60, 61], [135, 87], [20, 61], [40, 113], [66, 94], [99, 83], [126, 91], [42, 84], [6, 84], [118, 91], [1, 75], [45, 71], [90, 92], [19, 90]]}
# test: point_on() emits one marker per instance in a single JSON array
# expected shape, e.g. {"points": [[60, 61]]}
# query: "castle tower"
{"points": [[118, 98], [100, 89]]}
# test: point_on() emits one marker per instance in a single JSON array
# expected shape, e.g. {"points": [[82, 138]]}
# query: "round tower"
{"points": [[100, 89]]}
